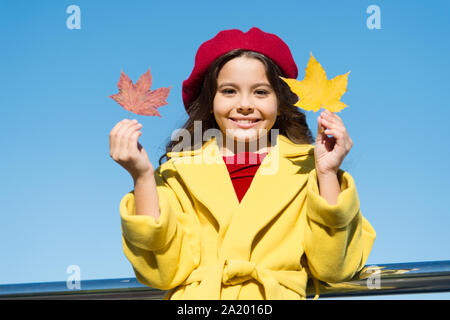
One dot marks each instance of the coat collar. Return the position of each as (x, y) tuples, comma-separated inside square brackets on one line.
[(281, 175), (286, 148)]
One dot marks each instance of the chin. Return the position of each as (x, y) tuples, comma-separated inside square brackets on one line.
[(245, 139)]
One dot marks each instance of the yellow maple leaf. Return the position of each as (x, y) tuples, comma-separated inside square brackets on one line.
[(316, 91)]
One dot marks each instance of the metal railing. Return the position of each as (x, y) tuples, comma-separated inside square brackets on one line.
[(384, 279)]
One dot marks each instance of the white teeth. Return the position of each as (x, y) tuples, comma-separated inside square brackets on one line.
[(245, 121)]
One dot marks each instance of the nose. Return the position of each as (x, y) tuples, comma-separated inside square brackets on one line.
[(245, 109)]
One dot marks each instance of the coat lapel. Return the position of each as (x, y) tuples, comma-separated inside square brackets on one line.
[(206, 176), (273, 187), (281, 175)]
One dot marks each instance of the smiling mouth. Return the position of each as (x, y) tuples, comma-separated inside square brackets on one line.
[(246, 121), (245, 124)]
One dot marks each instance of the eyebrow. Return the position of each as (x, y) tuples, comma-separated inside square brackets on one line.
[(254, 86)]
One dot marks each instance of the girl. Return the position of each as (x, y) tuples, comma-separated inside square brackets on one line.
[(255, 222)]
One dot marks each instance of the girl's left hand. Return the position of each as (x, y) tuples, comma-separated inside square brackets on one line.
[(329, 152)]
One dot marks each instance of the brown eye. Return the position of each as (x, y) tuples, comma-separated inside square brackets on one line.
[(228, 91), (261, 92)]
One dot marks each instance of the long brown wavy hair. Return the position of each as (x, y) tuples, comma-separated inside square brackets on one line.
[(291, 122)]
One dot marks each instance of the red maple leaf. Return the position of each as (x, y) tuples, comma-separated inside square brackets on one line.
[(138, 98)]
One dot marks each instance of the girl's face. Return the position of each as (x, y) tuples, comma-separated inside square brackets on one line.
[(244, 102)]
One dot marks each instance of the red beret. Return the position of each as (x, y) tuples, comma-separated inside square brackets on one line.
[(267, 44)]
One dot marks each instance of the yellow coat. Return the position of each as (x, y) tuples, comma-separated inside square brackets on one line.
[(207, 245)]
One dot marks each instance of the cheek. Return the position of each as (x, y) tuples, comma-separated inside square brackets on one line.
[(271, 110), (220, 115), (218, 106), (221, 108)]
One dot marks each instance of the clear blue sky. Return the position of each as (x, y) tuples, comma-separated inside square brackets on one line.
[(60, 190)]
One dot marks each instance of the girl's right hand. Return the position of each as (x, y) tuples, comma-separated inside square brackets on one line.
[(125, 149)]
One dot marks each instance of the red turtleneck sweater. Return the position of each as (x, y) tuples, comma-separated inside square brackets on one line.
[(242, 168)]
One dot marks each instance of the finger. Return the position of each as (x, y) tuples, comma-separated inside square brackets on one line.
[(321, 135), (320, 127), (119, 126), (123, 137), (337, 125), (114, 138), (119, 136), (342, 138), (133, 141), (127, 137), (329, 124), (332, 117), (335, 132)]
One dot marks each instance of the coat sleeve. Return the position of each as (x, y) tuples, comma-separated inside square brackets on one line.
[(162, 253), (338, 239)]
